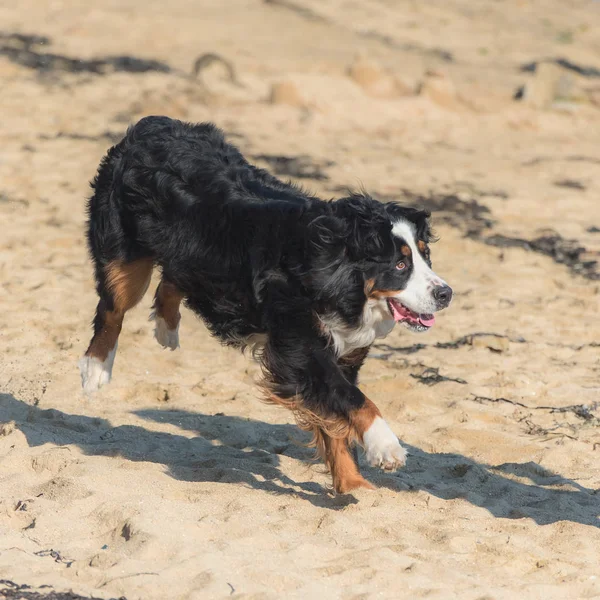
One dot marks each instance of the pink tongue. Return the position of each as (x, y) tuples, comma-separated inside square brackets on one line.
[(427, 320), (401, 313)]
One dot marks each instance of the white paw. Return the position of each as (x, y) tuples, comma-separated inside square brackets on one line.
[(382, 446), (94, 372), (167, 338)]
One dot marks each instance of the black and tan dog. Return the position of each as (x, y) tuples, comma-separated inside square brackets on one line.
[(308, 284)]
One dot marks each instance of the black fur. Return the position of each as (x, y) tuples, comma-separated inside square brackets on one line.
[(250, 254)]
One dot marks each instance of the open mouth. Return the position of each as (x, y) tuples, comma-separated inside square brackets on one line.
[(402, 314)]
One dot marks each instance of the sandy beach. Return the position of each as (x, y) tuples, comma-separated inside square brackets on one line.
[(175, 481)]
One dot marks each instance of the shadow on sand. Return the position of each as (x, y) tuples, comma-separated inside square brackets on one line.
[(237, 450)]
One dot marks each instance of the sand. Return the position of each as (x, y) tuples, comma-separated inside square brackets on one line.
[(176, 481)]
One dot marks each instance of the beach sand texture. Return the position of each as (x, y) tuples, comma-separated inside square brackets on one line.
[(176, 481)]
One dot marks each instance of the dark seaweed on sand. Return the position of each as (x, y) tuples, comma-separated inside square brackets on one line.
[(29, 51), (14, 591)]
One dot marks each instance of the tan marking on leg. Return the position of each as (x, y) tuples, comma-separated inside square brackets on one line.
[(106, 338), (362, 418), (128, 282), (166, 303), (344, 471), (309, 420), (330, 437), (96, 365), (166, 315)]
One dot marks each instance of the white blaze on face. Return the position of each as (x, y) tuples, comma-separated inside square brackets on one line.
[(418, 294)]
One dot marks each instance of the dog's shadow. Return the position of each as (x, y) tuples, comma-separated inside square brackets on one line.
[(237, 450), (224, 449)]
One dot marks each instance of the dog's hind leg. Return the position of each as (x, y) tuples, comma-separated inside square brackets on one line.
[(166, 314), (120, 286)]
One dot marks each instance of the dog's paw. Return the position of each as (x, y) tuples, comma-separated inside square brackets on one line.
[(167, 338), (382, 446), (94, 372)]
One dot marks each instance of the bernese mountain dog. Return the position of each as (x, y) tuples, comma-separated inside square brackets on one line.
[(307, 284)]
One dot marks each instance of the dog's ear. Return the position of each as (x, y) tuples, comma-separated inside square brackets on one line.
[(327, 233), (419, 217), (369, 227)]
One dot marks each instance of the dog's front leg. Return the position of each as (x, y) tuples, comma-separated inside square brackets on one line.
[(370, 429), (303, 375), (380, 443)]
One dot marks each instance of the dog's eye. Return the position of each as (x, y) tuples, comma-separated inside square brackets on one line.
[(400, 266)]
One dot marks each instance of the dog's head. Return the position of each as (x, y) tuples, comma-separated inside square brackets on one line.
[(412, 291), (386, 247)]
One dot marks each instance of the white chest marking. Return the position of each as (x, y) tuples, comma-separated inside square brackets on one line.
[(376, 322)]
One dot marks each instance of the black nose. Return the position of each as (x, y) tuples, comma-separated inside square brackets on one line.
[(442, 295)]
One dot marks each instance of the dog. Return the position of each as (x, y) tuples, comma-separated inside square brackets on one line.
[(307, 284)]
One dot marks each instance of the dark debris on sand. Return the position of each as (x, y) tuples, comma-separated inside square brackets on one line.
[(476, 221), (562, 251), (300, 167), (440, 53), (467, 340), (386, 40), (109, 136), (565, 64), (400, 349), (582, 411), (431, 376), (14, 591), (532, 162), (296, 7), (29, 51), (469, 215), (571, 184)]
